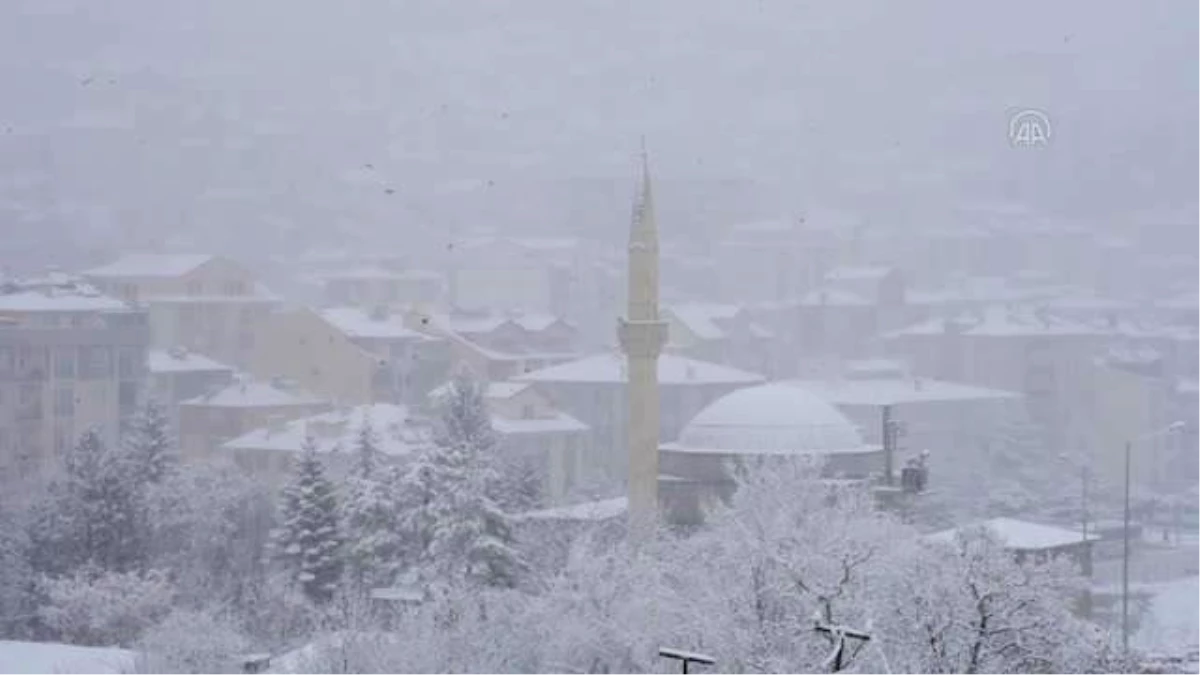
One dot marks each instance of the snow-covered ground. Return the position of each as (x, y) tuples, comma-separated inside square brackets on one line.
[(53, 657), (1173, 622)]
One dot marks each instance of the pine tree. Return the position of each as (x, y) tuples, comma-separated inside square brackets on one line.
[(471, 539), (309, 543), (367, 449), (149, 444), (91, 514), (371, 517)]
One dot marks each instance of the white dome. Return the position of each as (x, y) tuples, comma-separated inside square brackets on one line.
[(772, 418)]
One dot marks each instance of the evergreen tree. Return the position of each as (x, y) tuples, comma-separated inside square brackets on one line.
[(151, 450), (309, 542), (91, 514), (371, 516), (471, 539), (366, 449)]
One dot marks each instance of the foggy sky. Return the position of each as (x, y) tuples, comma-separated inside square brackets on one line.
[(292, 121)]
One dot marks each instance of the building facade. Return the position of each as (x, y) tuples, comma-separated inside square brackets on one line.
[(208, 304), (71, 360)]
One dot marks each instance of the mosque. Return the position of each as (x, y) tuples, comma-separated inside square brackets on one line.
[(771, 422)]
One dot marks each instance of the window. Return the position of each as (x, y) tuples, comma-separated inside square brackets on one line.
[(127, 362), (6, 360), (64, 363), (30, 402), (127, 395), (527, 411), (235, 288), (195, 288), (96, 363), (64, 402)]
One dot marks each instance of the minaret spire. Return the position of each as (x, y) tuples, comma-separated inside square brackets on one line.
[(642, 336)]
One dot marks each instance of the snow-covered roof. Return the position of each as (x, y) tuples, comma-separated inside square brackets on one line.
[(59, 300), (248, 393), (494, 390), (833, 296), (534, 322), (701, 318), (891, 391), (150, 265), (609, 368), (771, 418), (997, 321), (374, 272), (397, 433), (182, 361), (54, 657), (1019, 535), (358, 323), (559, 422), (606, 509), (504, 390)]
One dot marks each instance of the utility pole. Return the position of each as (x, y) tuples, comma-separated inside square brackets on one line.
[(889, 439), (1125, 558)]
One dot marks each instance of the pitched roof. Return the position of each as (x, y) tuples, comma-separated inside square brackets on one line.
[(149, 265), (1019, 535), (894, 391), (397, 433), (997, 321), (587, 511), (182, 361), (59, 301), (252, 394), (357, 323), (702, 318), (609, 367)]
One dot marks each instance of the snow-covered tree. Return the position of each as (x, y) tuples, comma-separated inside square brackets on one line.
[(91, 514), (151, 450), (366, 450), (372, 513), (210, 525), (470, 538), (971, 607), (191, 641), (94, 607), (309, 541), (16, 578)]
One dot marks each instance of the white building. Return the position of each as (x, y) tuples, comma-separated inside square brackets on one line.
[(593, 390), (270, 451), (772, 422)]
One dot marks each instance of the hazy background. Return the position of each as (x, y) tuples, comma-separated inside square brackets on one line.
[(264, 127)]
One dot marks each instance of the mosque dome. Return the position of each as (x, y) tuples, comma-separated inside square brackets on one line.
[(771, 419)]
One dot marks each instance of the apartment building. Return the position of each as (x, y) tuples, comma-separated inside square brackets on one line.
[(71, 360), (207, 421), (350, 355), (177, 375), (206, 303)]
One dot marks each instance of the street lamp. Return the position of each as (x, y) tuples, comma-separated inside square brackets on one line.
[(1169, 429)]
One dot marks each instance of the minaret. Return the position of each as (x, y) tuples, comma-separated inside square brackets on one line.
[(642, 337)]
